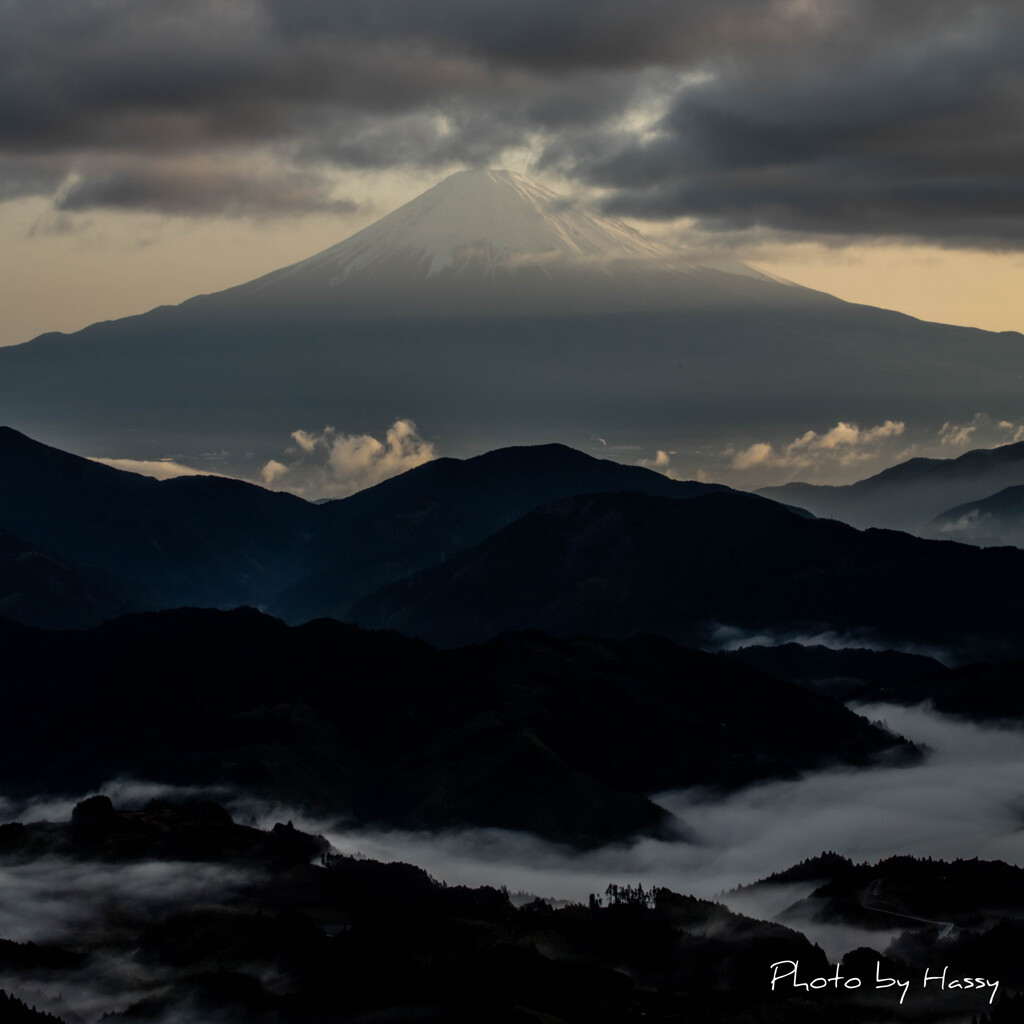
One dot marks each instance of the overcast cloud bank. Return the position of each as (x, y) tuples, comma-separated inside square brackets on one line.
[(809, 118)]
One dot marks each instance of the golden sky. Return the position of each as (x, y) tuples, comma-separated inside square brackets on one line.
[(118, 264)]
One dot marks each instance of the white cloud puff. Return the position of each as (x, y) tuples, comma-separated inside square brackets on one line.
[(981, 432), (661, 463), (844, 444), (333, 465), (272, 472)]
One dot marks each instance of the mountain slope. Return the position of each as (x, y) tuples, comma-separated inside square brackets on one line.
[(907, 496), (432, 512), (564, 738), (89, 541), (190, 540), (492, 313), (997, 519), (615, 564), (41, 589)]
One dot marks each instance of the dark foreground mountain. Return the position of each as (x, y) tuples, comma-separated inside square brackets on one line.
[(290, 931), (46, 590), (981, 692), (190, 540), (91, 542), (493, 312), (564, 738), (352, 939), (433, 512), (612, 565), (961, 894), (14, 1011), (910, 495), (848, 673), (960, 918)]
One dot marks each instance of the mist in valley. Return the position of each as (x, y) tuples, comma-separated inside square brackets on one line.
[(964, 799)]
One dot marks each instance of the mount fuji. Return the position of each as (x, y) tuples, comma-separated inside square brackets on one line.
[(485, 241), (493, 312)]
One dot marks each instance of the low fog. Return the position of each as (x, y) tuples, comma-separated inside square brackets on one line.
[(965, 800), (58, 901)]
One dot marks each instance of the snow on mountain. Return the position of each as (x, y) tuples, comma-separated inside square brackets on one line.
[(495, 215), (485, 224)]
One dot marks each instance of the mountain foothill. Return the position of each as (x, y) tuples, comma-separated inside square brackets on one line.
[(490, 568), (974, 498)]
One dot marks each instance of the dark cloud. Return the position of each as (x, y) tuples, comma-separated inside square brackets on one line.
[(28, 176), (917, 137), (463, 134), (549, 35), (838, 117), (196, 190)]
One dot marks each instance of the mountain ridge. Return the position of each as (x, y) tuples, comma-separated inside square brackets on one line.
[(616, 564), (911, 494), (209, 540), (512, 733)]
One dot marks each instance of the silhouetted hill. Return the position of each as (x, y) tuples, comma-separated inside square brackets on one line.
[(992, 521), (211, 541), (961, 917), (615, 564), (14, 1011), (41, 589), (284, 939), (196, 831), (965, 893), (565, 738), (280, 938), (191, 540), (436, 510), (908, 496), (958, 919), (982, 692), (847, 673)]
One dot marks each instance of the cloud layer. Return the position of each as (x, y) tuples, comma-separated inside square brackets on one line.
[(822, 118), (963, 800)]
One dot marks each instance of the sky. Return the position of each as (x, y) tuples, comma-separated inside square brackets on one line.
[(151, 150)]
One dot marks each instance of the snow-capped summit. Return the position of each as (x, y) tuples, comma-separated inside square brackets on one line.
[(487, 238), (494, 215)]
